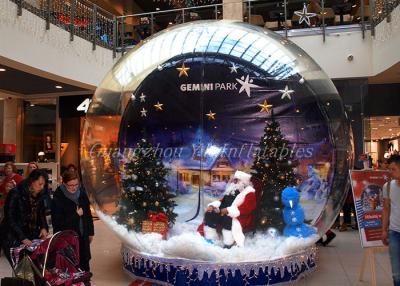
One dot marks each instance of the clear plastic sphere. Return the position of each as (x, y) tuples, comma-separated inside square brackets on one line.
[(178, 115)]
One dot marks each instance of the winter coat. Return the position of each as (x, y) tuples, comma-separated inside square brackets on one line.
[(65, 217), (242, 213), (15, 226), (16, 178)]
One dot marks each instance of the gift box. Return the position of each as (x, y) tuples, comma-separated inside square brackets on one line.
[(156, 223)]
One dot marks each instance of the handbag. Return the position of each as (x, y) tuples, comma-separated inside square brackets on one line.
[(24, 269), (24, 275)]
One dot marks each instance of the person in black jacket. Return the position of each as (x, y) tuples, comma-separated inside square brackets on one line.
[(24, 213), (70, 210)]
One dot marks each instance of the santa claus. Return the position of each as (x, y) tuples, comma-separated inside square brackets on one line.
[(234, 213)]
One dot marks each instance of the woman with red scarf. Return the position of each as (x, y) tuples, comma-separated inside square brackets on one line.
[(11, 180)]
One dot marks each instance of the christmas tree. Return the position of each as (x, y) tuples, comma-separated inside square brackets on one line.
[(274, 169), (144, 188)]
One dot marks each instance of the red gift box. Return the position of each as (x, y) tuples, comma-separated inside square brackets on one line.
[(157, 222)]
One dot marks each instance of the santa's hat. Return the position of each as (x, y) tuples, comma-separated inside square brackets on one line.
[(243, 177)]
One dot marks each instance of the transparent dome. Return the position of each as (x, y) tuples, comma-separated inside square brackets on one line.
[(179, 114)]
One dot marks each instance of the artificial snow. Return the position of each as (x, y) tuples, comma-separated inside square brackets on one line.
[(185, 242)]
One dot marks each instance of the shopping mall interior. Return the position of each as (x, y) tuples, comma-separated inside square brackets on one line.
[(90, 83)]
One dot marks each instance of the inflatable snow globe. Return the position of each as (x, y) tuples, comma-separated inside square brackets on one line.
[(190, 141)]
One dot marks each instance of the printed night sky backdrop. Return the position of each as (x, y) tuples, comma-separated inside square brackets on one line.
[(227, 115)]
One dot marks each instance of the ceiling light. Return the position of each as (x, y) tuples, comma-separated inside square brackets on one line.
[(354, 6), (58, 86), (2, 69), (157, 9), (32, 104), (387, 118)]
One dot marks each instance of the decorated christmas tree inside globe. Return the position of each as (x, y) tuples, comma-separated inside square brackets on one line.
[(194, 135)]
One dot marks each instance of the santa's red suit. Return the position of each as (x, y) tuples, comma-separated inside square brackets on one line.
[(242, 213)]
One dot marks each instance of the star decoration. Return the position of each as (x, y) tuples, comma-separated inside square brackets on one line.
[(143, 97), (158, 106), (143, 112), (304, 15), (211, 115), (233, 68), (286, 92), (246, 84), (183, 70), (265, 107)]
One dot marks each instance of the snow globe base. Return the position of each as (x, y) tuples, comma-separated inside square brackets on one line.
[(170, 271)]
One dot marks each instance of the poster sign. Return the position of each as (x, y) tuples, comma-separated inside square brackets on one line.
[(368, 199)]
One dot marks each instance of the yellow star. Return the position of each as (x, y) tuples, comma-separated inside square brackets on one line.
[(265, 107), (183, 70), (158, 106), (211, 115)]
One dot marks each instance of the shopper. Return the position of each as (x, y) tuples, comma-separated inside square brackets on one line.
[(72, 168), (71, 211), (391, 217), (24, 217), (348, 209), (31, 166), (384, 165), (11, 176)]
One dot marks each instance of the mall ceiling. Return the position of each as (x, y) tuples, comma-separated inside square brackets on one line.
[(19, 83), (384, 127)]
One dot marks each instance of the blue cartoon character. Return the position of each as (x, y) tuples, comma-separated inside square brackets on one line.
[(293, 215), (312, 185)]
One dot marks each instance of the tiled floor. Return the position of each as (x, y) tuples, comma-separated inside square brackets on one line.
[(339, 263)]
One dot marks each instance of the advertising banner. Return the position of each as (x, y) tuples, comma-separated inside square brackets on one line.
[(368, 199)]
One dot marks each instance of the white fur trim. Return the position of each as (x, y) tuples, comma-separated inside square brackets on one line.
[(242, 176), (227, 237), (240, 197), (233, 211), (237, 230), (215, 204), (210, 233)]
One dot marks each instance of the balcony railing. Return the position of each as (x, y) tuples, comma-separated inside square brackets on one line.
[(382, 10), (79, 17), (84, 19)]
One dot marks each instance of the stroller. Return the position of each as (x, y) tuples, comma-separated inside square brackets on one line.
[(55, 261)]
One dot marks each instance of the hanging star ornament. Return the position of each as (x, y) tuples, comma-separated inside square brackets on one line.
[(246, 84), (143, 112), (142, 97), (158, 106), (265, 107), (304, 15), (286, 92), (183, 70), (211, 115), (233, 68)]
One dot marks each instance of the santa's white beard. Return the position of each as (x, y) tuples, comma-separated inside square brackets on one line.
[(232, 187)]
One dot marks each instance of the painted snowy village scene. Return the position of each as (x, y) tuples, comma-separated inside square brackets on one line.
[(230, 175)]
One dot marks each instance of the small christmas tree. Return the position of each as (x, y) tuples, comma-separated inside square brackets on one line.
[(274, 169), (144, 188)]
